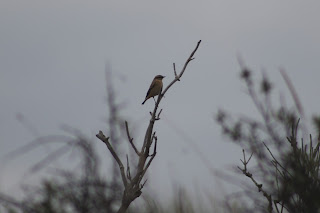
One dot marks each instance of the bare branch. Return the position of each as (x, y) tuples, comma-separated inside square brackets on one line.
[(152, 138), (142, 185), (175, 72), (183, 69), (250, 157), (259, 186), (128, 169), (133, 188), (147, 138), (152, 156), (158, 116), (105, 140), (131, 139)]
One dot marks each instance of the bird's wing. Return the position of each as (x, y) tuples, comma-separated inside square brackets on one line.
[(151, 87)]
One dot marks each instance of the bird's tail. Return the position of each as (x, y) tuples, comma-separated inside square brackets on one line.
[(144, 101)]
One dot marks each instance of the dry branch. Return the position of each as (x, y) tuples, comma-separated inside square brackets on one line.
[(258, 185), (132, 184), (131, 139), (175, 72), (105, 140)]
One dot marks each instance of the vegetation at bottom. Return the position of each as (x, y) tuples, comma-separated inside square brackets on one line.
[(280, 164), (281, 159)]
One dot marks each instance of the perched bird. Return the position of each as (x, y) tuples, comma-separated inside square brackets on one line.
[(155, 87)]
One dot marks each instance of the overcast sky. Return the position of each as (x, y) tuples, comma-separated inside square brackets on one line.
[(53, 56)]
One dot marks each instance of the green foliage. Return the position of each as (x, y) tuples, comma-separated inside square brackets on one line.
[(287, 171)]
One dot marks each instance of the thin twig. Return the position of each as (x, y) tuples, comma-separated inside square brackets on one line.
[(158, 116), (142, 185), (128, 169), (175, 72), (131, 139), (152, 156), (184, 68), (259, 186), (153, 136), (276, 161)]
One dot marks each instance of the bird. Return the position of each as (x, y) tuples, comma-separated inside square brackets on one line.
[(155, 87)]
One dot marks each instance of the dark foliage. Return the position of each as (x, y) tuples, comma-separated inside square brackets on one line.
[(78, 191), (286, 171)]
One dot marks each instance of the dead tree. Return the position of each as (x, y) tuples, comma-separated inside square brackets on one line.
[(134, 184)]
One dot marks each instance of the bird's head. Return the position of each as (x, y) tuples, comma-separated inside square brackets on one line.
[(160, 77)]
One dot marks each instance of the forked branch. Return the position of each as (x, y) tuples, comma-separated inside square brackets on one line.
[(105, 140), (258, 185), (133, 184)]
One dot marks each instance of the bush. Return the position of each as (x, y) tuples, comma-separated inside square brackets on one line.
[(286, 168)]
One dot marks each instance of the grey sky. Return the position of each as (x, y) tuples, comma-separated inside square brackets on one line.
[(52, 71)]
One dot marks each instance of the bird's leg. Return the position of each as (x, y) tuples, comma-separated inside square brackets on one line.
[(154, 100)]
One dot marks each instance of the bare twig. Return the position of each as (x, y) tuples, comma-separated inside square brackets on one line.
[(184, 68), (158, 116), (175, 72), (275, 160), (152, 138), (142, 185), (259, 186), (105, 140), (133, 186), (131, 139), (128, 169), (151, 159), (153, 154)]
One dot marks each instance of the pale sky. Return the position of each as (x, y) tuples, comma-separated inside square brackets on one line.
[(52, 72)]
